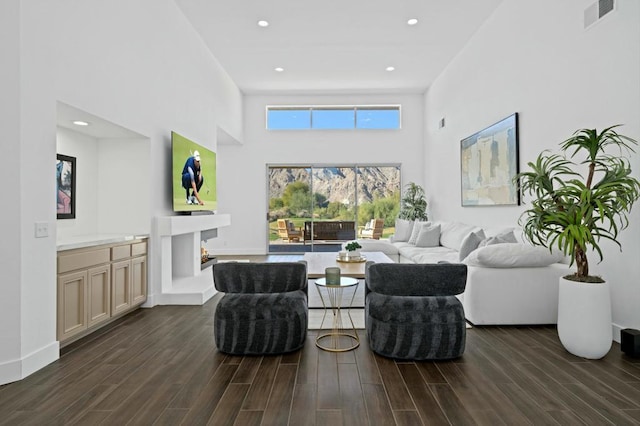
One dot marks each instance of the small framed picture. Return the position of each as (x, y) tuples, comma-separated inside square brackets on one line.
[(66, 186)]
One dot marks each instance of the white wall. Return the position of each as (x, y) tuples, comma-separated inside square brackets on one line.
[(113, 188), (85, 149), (536, 59), (10, 248), (137, 64), (125, 189), (242, 183)]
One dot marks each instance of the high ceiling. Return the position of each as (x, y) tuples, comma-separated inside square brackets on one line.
[(335, 46)]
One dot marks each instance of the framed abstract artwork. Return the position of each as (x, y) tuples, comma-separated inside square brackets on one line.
[(66, 186), (489, 163)]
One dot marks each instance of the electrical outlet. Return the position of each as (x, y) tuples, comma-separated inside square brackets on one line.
[(42, 229)]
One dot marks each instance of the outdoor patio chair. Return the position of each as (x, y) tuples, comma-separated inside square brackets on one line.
[(287, 230), (373, 229)]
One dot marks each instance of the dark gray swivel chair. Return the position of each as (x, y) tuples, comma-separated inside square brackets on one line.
[(411, 311), (264, 309)]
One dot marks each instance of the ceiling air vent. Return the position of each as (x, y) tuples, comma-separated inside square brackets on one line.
[(597, 11)]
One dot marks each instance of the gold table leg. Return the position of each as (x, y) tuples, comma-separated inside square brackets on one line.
[(339, 338)]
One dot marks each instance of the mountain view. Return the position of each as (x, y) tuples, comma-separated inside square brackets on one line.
[(339, 184)]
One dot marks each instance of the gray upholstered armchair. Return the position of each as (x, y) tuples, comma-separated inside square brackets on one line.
[(264, 309), (411, 311)]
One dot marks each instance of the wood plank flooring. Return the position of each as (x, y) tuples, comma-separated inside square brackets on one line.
[(159, 366)]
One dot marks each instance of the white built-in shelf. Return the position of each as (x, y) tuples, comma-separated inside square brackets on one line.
[(178, 240), (177, 225)]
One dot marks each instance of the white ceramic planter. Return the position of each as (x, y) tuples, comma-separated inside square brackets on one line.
[(584, 318), (355, 254)]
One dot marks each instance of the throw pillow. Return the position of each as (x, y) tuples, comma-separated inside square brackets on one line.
[(512, 255), (403, 230), (417, 226), (470, 243), (452, 234), (429, 236), (505, 237), (508, 236)]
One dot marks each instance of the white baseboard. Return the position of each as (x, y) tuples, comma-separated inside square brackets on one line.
[(18, 369), (616, 331)]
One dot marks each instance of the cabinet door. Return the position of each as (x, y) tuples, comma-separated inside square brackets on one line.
[(120, 286), (138, 280), (72, 304), (99, 285)]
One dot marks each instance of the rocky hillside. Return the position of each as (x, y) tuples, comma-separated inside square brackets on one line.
[(338, 184)]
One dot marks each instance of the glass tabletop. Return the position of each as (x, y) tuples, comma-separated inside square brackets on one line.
[(344, 282)]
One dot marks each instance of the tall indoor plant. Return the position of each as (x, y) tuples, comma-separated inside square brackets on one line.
[(413, 205), (573, 213)]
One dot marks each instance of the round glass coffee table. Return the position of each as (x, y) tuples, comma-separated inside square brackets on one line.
[(342, 336)]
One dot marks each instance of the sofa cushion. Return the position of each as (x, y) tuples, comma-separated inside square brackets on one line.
[(383, 246), (403, 230), (452, 234), (470, 243), (417, 227), (429, 236), (512, 255), (428, 256), (504, 237)]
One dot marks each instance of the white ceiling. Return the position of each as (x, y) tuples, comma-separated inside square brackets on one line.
[(335, 46)]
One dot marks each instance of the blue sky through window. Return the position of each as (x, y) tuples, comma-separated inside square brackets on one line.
[(288, 119), (369, 117), (333, 119), (378, 118)]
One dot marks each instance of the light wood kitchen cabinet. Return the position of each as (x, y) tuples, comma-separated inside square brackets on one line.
[(99, 297), (72, 304), (99, 284), (121, 286), (138, 280)]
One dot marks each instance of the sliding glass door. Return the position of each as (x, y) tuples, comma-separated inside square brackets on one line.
[(318, 207)]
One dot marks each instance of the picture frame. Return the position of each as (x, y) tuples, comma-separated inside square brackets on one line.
[(66, 186), (488, 165)]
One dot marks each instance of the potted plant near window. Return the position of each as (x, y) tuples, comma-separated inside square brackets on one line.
[(413, 205), (573, 213)]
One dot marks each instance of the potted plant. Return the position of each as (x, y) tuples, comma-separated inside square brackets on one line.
[(413, 205), (353, 249), (573, 213)]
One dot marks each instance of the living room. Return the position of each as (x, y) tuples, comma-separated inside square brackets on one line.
[(143, 65)]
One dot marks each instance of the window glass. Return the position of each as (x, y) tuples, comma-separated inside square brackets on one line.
[(341, 117), (288, 119), (378, 118), (333, 119)]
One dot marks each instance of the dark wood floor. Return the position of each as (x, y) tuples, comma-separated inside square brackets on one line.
[(159, 366)]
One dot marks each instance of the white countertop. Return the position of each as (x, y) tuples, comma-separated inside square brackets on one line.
[(81, 241)]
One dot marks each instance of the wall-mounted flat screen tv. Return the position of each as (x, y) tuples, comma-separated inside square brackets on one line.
[(194, 176)]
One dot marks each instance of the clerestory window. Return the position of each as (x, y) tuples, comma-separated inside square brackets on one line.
[(306, 117)]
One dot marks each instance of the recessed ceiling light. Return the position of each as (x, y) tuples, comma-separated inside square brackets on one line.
[(391, 68), (278, 69), (80, 123), (263, 23), (412, 21)]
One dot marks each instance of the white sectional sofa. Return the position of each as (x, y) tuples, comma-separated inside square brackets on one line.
[(509, 281)]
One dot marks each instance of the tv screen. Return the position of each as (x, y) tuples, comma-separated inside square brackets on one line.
[(194, 176)]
